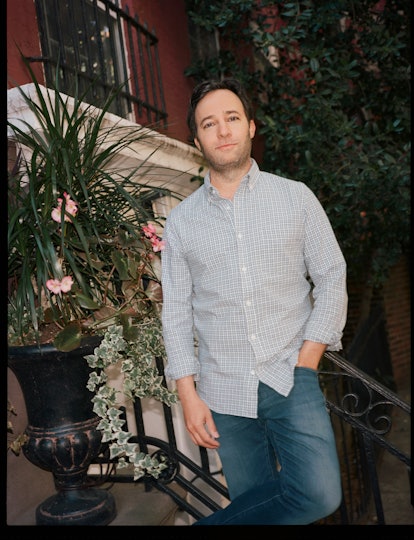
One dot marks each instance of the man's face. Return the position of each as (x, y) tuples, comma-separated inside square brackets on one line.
[(223, 132)]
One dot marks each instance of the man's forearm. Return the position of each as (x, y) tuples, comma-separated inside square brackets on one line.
[(310, 354)]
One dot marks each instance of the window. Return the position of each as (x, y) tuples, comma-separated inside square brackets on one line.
[(98, 47)]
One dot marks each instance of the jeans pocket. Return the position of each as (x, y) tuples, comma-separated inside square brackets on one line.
[(307, 381)]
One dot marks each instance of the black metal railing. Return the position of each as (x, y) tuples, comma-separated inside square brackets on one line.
[(362, 412), (97, 47)]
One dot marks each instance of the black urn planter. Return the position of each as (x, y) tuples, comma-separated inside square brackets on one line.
[(61, 430)]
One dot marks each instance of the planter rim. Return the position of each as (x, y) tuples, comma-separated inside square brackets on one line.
[(45, 348)]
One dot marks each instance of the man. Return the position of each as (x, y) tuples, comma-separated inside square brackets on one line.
[(252, 273)]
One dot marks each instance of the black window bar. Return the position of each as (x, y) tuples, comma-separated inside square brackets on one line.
[(99, 46)]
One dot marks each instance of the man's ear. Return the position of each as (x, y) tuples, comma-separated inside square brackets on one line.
[(197, 143), (252, 128)]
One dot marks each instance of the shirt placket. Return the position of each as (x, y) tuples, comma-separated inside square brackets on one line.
[(246, 270)]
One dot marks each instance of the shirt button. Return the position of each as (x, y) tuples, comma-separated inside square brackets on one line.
[(248, 303), (239, 236), (243, 269), (253, 337), (252, 372)]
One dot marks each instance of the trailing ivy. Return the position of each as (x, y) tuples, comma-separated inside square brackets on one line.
[(133, 361)]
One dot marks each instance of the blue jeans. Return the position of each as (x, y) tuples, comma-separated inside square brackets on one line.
[(281, 468)]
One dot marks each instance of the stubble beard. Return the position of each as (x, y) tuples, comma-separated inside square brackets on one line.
[(226, 166)]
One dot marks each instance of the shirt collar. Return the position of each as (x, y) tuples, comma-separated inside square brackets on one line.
[(250, 180)]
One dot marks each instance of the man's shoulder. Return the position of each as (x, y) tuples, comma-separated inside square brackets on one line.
[(277, 181), (285, 190)]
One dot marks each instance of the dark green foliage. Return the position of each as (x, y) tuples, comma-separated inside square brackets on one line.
[(333, 110)]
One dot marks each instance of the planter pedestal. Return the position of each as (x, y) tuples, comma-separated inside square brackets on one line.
[(90, 506)]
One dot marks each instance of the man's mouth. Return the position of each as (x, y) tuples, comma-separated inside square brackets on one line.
[(225, 146)]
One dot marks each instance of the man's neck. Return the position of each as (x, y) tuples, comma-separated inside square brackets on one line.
[(227, 182)]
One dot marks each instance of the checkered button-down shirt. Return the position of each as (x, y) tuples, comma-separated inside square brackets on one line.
[(236, 274)]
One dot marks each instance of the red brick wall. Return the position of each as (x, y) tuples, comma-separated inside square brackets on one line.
[(397, 306), (169, 21), (22, 34), (395, 299)]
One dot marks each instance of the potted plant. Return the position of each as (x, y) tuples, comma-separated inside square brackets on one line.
[(83, 271)]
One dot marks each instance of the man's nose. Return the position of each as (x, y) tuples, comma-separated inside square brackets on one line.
[(223, 128)]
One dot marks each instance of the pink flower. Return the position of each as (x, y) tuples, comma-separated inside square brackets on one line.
[(56, 214), (149, 230), (66, 284), (57, 286), (71, 208), (53, 285), (157, 244), (151, 233)]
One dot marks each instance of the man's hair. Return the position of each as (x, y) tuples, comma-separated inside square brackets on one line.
[(205, 87)]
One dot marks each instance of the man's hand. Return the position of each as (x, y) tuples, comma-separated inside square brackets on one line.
[(197, 416)]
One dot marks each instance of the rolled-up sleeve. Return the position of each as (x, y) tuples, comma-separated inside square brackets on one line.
[(327, 270), (177, 314)]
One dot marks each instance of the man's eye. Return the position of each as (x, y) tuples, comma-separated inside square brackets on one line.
[(233, 118), (208, 124)]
